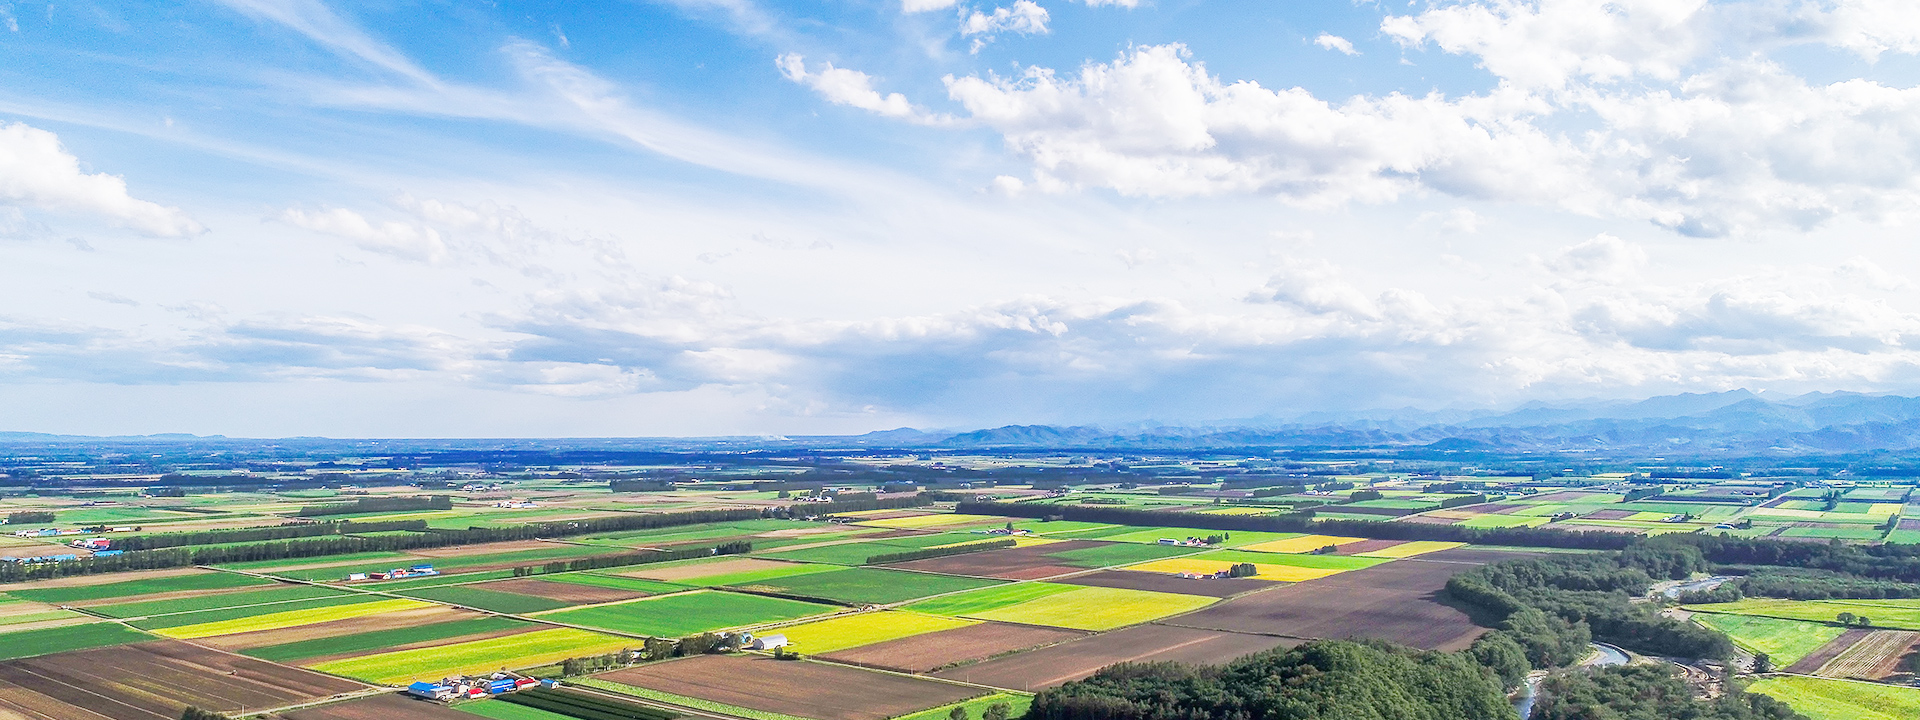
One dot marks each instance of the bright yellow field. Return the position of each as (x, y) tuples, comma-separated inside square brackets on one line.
[(1097, 608), (1019, 541), (922, 521), (1276, 573), (1884, 508), (1410, 549), (1649, 516), (525, 650), (291, 618), (852, 631), (1304, 543)]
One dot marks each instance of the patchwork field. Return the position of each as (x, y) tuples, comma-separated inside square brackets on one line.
[(1827, 699), (366, 624), (1784, 641), (1065, 662), (153, 681), (1161, 582), (798, 688), (1027, 563), (1302, 544), (1395, 601), (212, 601), (514, 651), (866, 585), (84, 594), (972, 643), (563, 591), (1873, 656), (1094, 608), (851, 631), (376, 641), (689, 613), (1901, 614), (286, 619), (28, 643), (485, 597)]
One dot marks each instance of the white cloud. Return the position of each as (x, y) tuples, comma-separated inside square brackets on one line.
[(841, 86), (36, 172), (1605, 258), (405, 240), (1336, 43), (920, 6), (1128, 4), (1025, 18), (319, 23)]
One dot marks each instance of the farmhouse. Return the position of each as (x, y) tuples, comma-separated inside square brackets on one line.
[(430, 691)]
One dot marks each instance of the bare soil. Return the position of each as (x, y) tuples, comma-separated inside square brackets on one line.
[(806, 689), (1162, 582), (1396, 601), (1025, 563), (1050, 666), (381, 707), (1826, 653), (700, 570), (1366, 546), (931, 651), (157, 680), (560, 591)]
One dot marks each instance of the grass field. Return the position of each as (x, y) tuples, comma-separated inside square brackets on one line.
[(751, 577), (291, 618), (492, 600), (514, 651), (986, 599), (177, 583), (651, 587), (930, 521), (853, 631), (869, 585), (1903, 614), (1096, 608), (1784, 641), (1410, 549), (689, 613), (1826, 699), (216, 601), (1302, 544), (319, 647), (28, 643), (1017, 705), (499, 710)]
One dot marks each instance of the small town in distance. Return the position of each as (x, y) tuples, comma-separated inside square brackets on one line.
[(316, 580)]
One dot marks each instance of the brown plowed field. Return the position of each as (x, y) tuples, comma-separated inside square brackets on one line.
[(1366, 546), (1011, 563), (106, 578), (1477, 556), (1609, 515), (805, 689), (700, 570), (1826, 653), (1162, 582), (1875, 656), (924, 653), (1050, 666), (1393, 601), (156, 680), (1427, 519), (560, 591), (352, 626), (381, 707)]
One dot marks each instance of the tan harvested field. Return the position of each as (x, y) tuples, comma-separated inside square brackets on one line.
[(1162, 582), (700, 570), (1874, 657), (1366, 546), (1025, 563), (1395, 601), (155, 681), (563, 592), (1428, 519), (1066, 662), (1811, 664), (412, 617), (381, 707), (925, 653), (806, 689), (799, 532)]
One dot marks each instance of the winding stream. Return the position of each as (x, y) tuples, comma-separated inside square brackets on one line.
[(1603, 656)]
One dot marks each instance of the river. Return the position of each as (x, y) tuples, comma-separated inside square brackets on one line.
[(1603, 655)]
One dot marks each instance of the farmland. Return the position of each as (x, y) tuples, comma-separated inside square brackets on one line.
[(374, 641), (1903, 614), (1826, 699), (156, 681), (866, 585), (966, 644), (285, 619), (27, 643), (851, 631), (687, 613), (514, 651), (802, 689), (1785, 641), (1095, 608)]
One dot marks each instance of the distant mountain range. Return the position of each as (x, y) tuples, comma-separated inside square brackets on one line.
[(1736, 421)]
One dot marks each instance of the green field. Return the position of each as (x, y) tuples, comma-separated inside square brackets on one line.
[(1017, 704), (650, 587), (1902, 614), (216, 601), (1501, 521), (751, 577), (1826, 699), (851, 631), (710, 706), (873, 586), (513, 651), (177, 583), (491, 600), (236, 613), (1119, 554), (687, 613), (291, 618), (1152, 536), (28, 643), (319, 647), (499, 710), (856, 553), (1784, 641), (987, 599), (1096, 608), (436, 581)]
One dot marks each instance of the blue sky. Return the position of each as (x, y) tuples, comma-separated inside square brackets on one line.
[(695, 217)]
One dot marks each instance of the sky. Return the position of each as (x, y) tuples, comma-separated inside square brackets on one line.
[(456, 218)]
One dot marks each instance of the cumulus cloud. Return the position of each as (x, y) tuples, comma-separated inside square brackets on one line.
[(1025, 18), (36, 172), (842, 86), (1335, 43)]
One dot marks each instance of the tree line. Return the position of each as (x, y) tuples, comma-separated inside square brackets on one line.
[(737, 547), (278, 532)]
